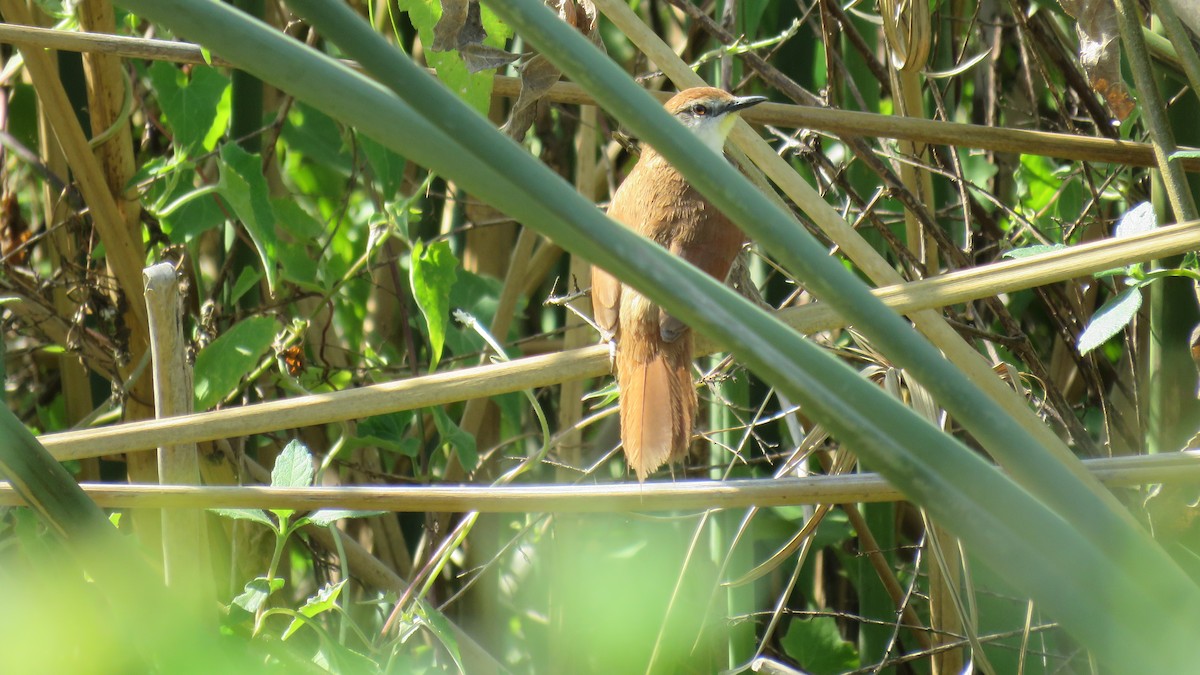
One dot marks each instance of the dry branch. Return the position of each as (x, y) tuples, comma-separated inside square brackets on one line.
[(540, 371), (839, 122), (1181, 467)]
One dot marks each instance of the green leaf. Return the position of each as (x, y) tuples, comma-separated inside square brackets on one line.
[(256, 593), (323, 601), (386, 432), (297, 222), (1110, 319), (195, 108), (244, 187), (329, 516), (1036, 183), (818, 647), (318, 138), (463, 443), (245, 281), (434, 269), (293, 467), (300, 266), (387, 166), (256, 515), (1036, 249), (444, 632), (475, 89), (221, 365)]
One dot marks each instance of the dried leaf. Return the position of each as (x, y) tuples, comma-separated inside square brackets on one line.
[(480, 57), (448, 29), (538, 75), (461, 28), (1100, 51)]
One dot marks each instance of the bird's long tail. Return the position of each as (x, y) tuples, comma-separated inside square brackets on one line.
[(658, 400)]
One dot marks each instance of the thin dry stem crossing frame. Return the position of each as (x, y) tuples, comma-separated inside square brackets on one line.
[(539, 371), (1180, 467), (839, 122)]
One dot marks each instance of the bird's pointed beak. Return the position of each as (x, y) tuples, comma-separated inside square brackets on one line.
[(743, 102)]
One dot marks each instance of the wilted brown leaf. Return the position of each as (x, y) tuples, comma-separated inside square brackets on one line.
[(461, 28), (538, 75), (1100, 51)]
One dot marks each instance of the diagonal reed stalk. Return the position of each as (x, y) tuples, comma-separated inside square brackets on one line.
[(1088, 567)]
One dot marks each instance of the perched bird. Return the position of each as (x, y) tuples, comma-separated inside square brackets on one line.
[(653, 348)]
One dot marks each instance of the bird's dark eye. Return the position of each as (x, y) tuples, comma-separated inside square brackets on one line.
[(699, 110)]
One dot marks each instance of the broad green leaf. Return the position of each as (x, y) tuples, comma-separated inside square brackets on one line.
[(293, 467), (256, 593), (256, 515), (434, 270), (818, 647), (244, 187), (323, 601), (329, 516), (1110, 319), (222, 364), (463, 443), (195, 108), (475, 89)]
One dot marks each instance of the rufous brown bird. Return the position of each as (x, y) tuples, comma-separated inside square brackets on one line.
[(653, 348)]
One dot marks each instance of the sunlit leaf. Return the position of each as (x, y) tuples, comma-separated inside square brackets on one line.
[(1110, 319), (818, 647), (245, 188), (329, 516), (293, 467), (196, 106), (1138, 220), (256, 593), (256, 515), (462, 442), (222, 364), (432, 276), (1036, 249), (323, 601)]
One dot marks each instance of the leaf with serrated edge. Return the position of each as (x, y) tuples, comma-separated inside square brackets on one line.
[(257, 515), (256, 593), (293, 466), (323, 601), (329, 516)]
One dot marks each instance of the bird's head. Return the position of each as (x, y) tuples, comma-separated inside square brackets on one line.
[(709, 112)]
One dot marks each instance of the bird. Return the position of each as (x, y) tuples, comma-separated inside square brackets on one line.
[(654, 349)]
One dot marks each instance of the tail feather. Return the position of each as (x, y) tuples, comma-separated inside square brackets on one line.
[(658, 401)]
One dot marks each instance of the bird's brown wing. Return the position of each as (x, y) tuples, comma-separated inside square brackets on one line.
[(712, 245), (606, 289), (606, 300)]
